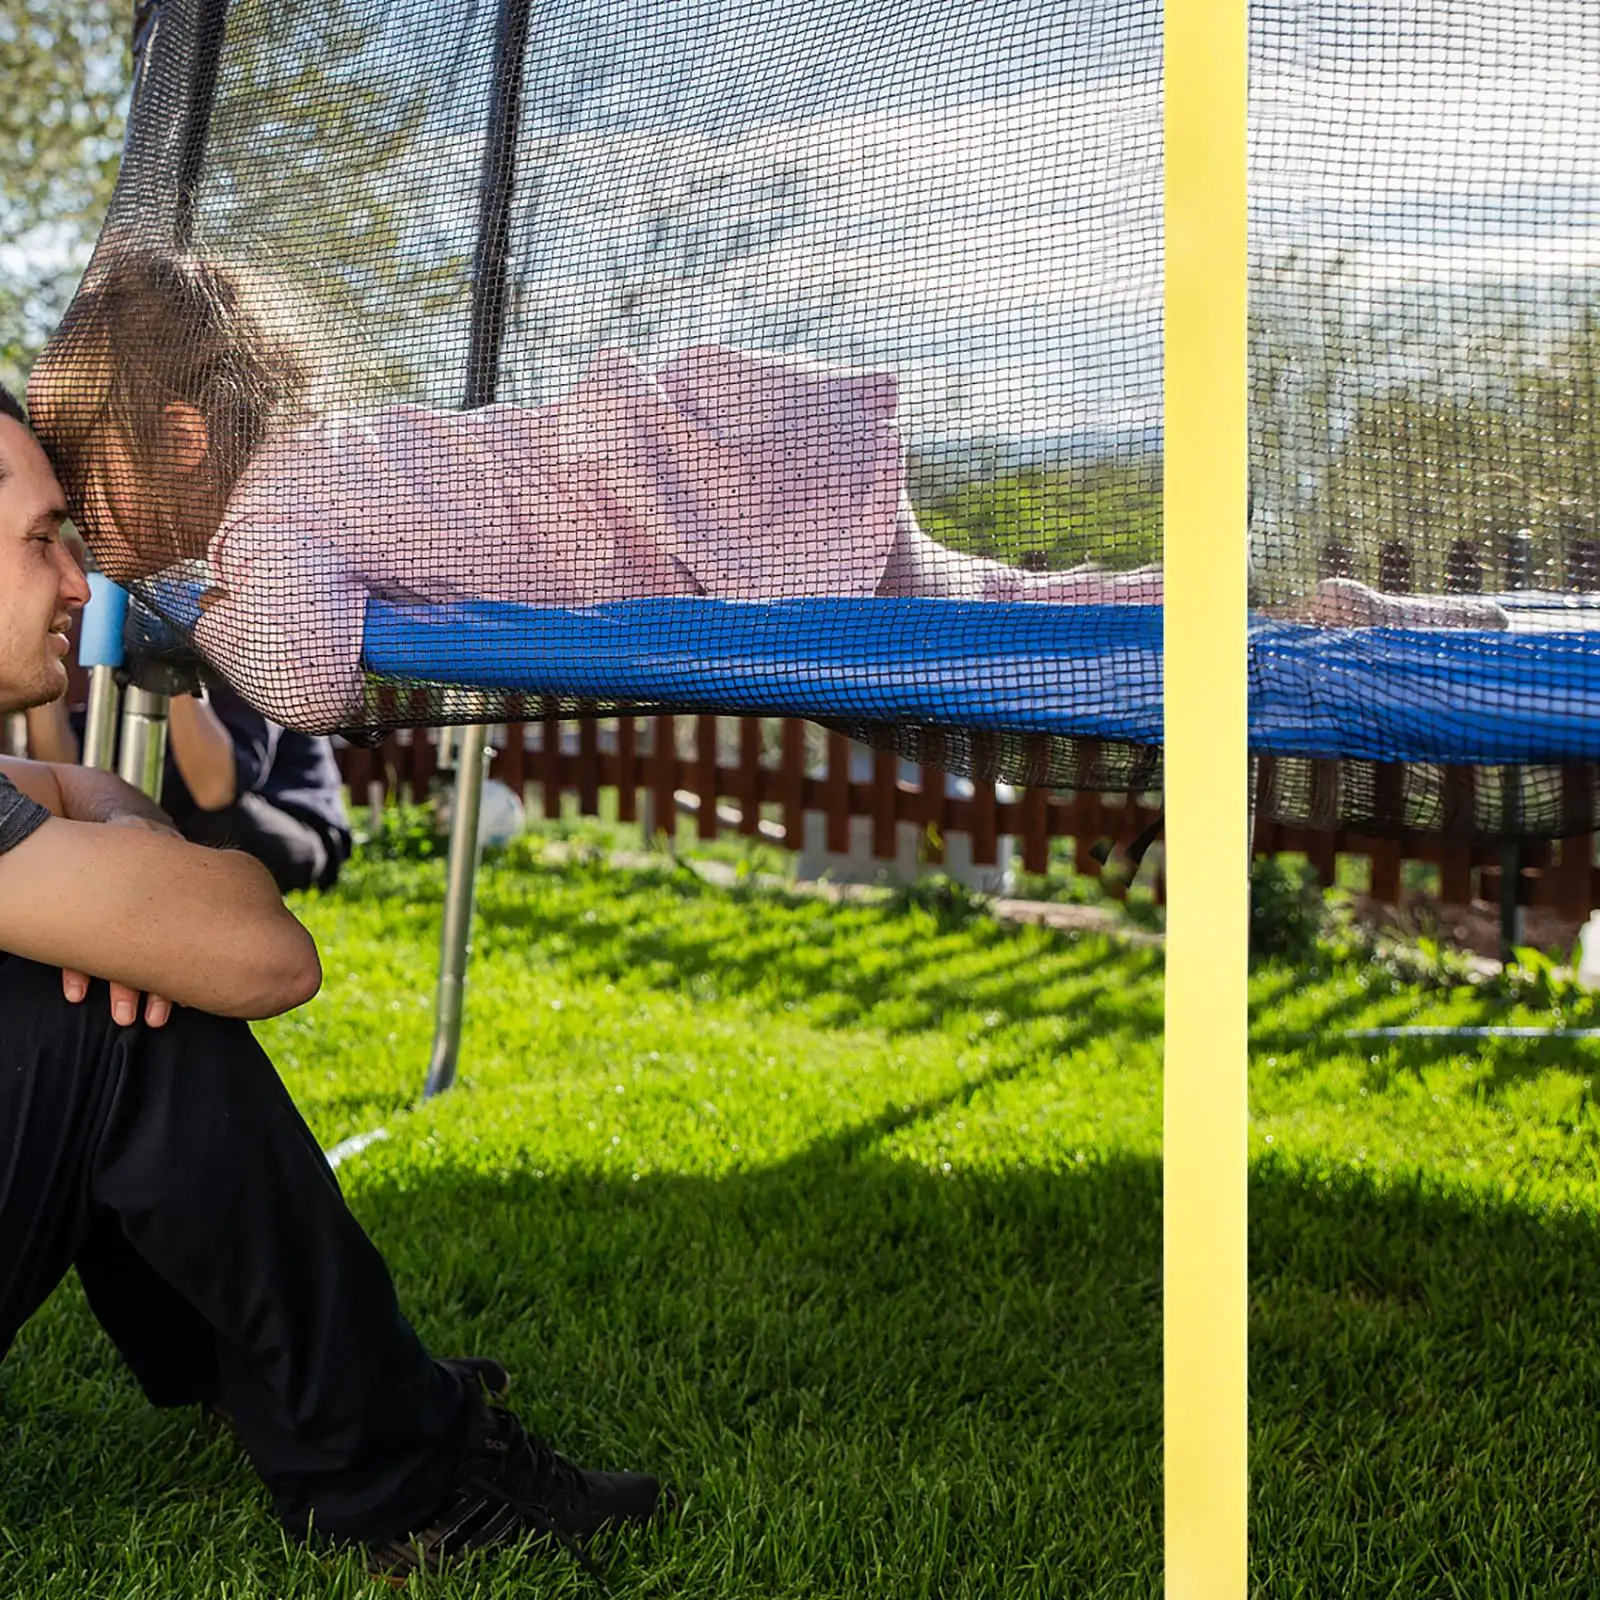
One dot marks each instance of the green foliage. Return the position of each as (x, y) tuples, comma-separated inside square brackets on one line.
[(1106, 511), (372, 263), (1537, 981), (64, 71), (405, 832), (65, 66), (1287, 917), (950, 903), (1384, 422)]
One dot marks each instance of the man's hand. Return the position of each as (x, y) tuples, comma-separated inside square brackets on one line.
[(124, 1001)]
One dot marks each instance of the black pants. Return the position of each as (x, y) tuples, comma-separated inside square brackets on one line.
[(298, 854), (171, 1168)]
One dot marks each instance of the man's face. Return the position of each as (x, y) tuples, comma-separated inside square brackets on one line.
[(40, 584)]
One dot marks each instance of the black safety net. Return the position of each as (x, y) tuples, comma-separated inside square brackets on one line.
[(484, 361)]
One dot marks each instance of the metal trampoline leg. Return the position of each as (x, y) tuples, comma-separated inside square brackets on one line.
[(460, 884), (143, 756), (100, 725)]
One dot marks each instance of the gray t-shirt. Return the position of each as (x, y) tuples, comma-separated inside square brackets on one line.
[(19, 816)]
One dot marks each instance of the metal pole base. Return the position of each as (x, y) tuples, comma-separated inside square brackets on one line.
[(100, 725), (142, 759)]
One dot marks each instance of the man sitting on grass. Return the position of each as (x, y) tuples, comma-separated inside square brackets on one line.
[(146, 1140)]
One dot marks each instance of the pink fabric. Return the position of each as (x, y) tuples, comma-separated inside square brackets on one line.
[(741, 477)]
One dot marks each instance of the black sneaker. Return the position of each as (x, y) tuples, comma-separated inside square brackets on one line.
[(488, 1374), (508, 1487)]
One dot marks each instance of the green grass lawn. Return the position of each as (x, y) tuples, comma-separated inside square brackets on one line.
[(847, 1219)]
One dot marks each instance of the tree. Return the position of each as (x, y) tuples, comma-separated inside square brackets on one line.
[(1432, 421), (306, 165), (65, 65)]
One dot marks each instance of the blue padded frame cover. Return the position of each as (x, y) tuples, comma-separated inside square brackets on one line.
[(1380, 694), (1437, 695)]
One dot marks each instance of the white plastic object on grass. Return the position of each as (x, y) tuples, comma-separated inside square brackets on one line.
[(501, 816), (1588, 973)]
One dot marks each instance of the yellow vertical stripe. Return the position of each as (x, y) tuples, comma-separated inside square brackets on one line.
[(1207, 848)]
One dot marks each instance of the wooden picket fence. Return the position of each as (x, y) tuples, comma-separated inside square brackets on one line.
[(747, 776), (760, 778), (1556, 873)]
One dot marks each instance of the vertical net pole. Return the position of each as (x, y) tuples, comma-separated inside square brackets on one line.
[(1205, 1149), (100, 719), (456, 934), (211, 23), (142, 754), (496, 183)]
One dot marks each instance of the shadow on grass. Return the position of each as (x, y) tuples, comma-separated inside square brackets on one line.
[(873, 1379), (1320, 1037), (896, 962), (1425, 1391), (1385, 1062), (1509, 1061), (893, 962), (864, 1337)]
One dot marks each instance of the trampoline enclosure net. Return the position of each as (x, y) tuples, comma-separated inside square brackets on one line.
[(496, 360)]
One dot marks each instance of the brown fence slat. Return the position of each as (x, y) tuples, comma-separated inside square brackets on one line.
[(985, 836), (935, 801), (424, 755), (836, 783), (589, 768), (514, 758), (1577, 850), (356, 771), (664, 776), (1459, 802), (1455, 875), (792, 785), (1036, 830), (1322, 851), (1090, 828), (550, 766), (885, 804), (705, 776), (1386, 865), (747, 780), (627, 770)]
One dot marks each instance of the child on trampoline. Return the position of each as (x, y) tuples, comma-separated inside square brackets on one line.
[(186, 430)]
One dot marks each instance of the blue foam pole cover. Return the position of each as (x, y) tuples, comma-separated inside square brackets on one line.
[(100, 634)]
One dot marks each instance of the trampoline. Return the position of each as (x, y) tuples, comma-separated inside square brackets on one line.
[(452, 274)]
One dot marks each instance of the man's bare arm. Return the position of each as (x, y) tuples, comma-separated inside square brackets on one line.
[(206, 928), (203, 749), (81, 795)]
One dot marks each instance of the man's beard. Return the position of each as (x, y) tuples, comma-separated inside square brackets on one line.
[(13, 701)]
